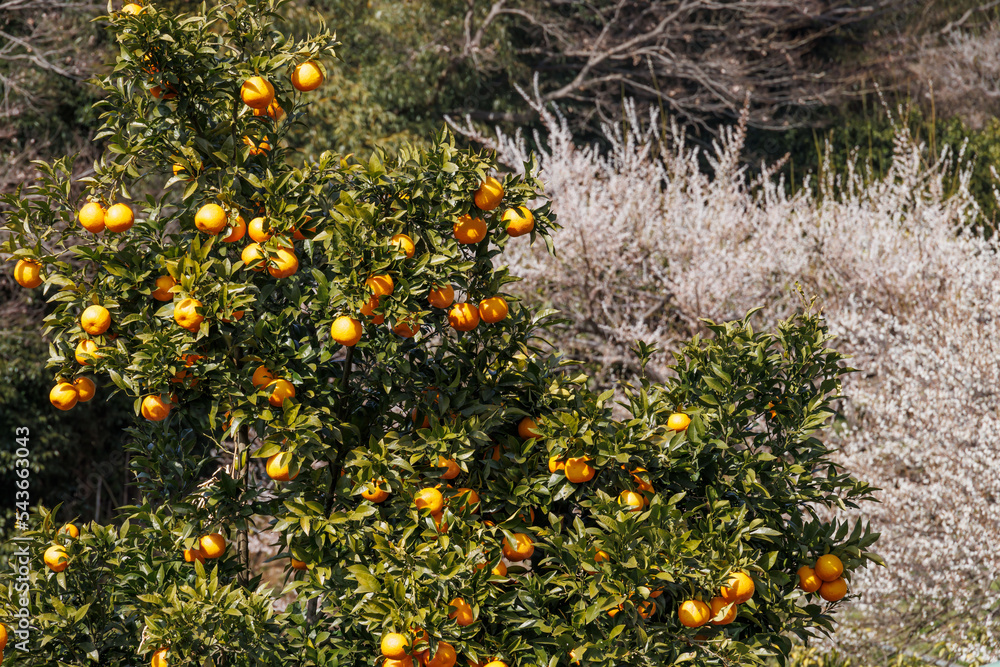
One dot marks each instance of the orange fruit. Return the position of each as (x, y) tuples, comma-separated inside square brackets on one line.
[(297, 230), (643, 484), (3, 638), (429, 499), (469, 230), (829, 567), (86, 349), (262, 377), (299, 565), (462, 612), (119, 218), (406, 327), (556, 464), (260, 230), (307, 76), (280, 390), (489, 194), (694, 613), (499, 570), (808, 581), (85, 389), (192, 555), (63, 396), (212, 545), (452, 471), (718, 604), (522, 549), (154, 408), (579, 470), (646, 608), (519, 221), (395, 645), (257, 92), (463, 317), (91, 216), (441, 297), (738, 589), (28, 273), (467, 496), (493, 309), (237, 315), (678, 421), (346, 331), (68, 529), (279, 473), (380, 285), (601, 556), (273, 111), (405, 662), (527, 428), (211, 219), (159, 658), (445, 656), (495, 663), (55, 558), (95, 320), (236, 230), (403, 244), (158, 93), (373, 493), (369, 308), (633, 500), (186, 314), (163, 286), (253, 257), (132, 8), (283, 264), (258, 147), (831, 591)]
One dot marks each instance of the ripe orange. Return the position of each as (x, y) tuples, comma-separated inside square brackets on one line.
[(279, 473), (601, 556), (158, 93), (369, 308), (829, 567), (646, 608), (262, 377), (119, 218), (694, 613), (283, 264), (297, 230), (28, 273), (299, 565), (154, 408), (643, 484), (493, 309), (499, 570), (132, 8), (831, 591), (186, 314), (95, 320), (678, 421), (381, 285), (462, 612), (519, 221), (160, 658), (444, 657), (68, 529), (406, 327), (280, 390), (441, 297), (395, 645), (429, 499), (273, 111), (63, 396), (633, 500), (253, 257), (258, 147), (373, 493), (808, 581), (236, 230), (738, 589), (3, 637), (468, 497), (260, 230), (179, 170), (211, 219), (192, 555), (405, 662), (55, 557), (495, 663), (520, 550), (212, 545), (527, 428), (85, 389), (403, 244), (469, 230), (307, 76), (163, 286), (463, 317), (718, 604), (556, 464), (579, 470), (257, 92), (86, 350), (346, 331), (489, 194), (91, 216), (452, 471)]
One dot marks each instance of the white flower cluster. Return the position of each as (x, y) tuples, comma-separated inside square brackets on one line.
[(651, 243)]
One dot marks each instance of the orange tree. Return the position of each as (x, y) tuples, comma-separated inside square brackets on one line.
[(331, 348)]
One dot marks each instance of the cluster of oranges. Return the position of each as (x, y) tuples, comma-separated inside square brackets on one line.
[(824, 577), (212, 545), (722, 609), (398, 650), (55, 556)]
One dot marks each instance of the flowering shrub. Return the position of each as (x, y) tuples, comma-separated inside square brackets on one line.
[(651, 244)]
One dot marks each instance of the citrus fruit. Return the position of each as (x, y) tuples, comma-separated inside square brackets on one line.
[(694, 613), (187, 316), (299, 565), (236, 230), (95, 320), (461, 612), (283, 264), (3, 637), (163, 287), (499, 570), (556, 464), (527, 428), (346, 331), (469, 230), (257, 92), (678, 421), (405, 662), (307, 76), (262, 377), (831, 591), (373, 493), (258, 147), (643, 484), (520, 550), (493, 309), (259, 229), (395, 645), (273, 111), (519, 221), (119, 218), (406, 327), (381, 285), (68, 529), (63, 396), (808, 581), (445, 656), (463, 317), (253, 257), (55, 558), (429, 499), (738, 589), (646, 608), (441, 297), (211, 219), (489, 194), (154, 408), (495, 663), (718, 604), (85, 350), (601, 556), (91, 216), (158, 93), (212, 545), (28, 273), (132, 8), (452, 470), (829, 567), (468, 497), (85, 389), (403, 244), (279, 473), (280, 390), (192, 555), (579, 470), (159, 658), (631, 499)]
